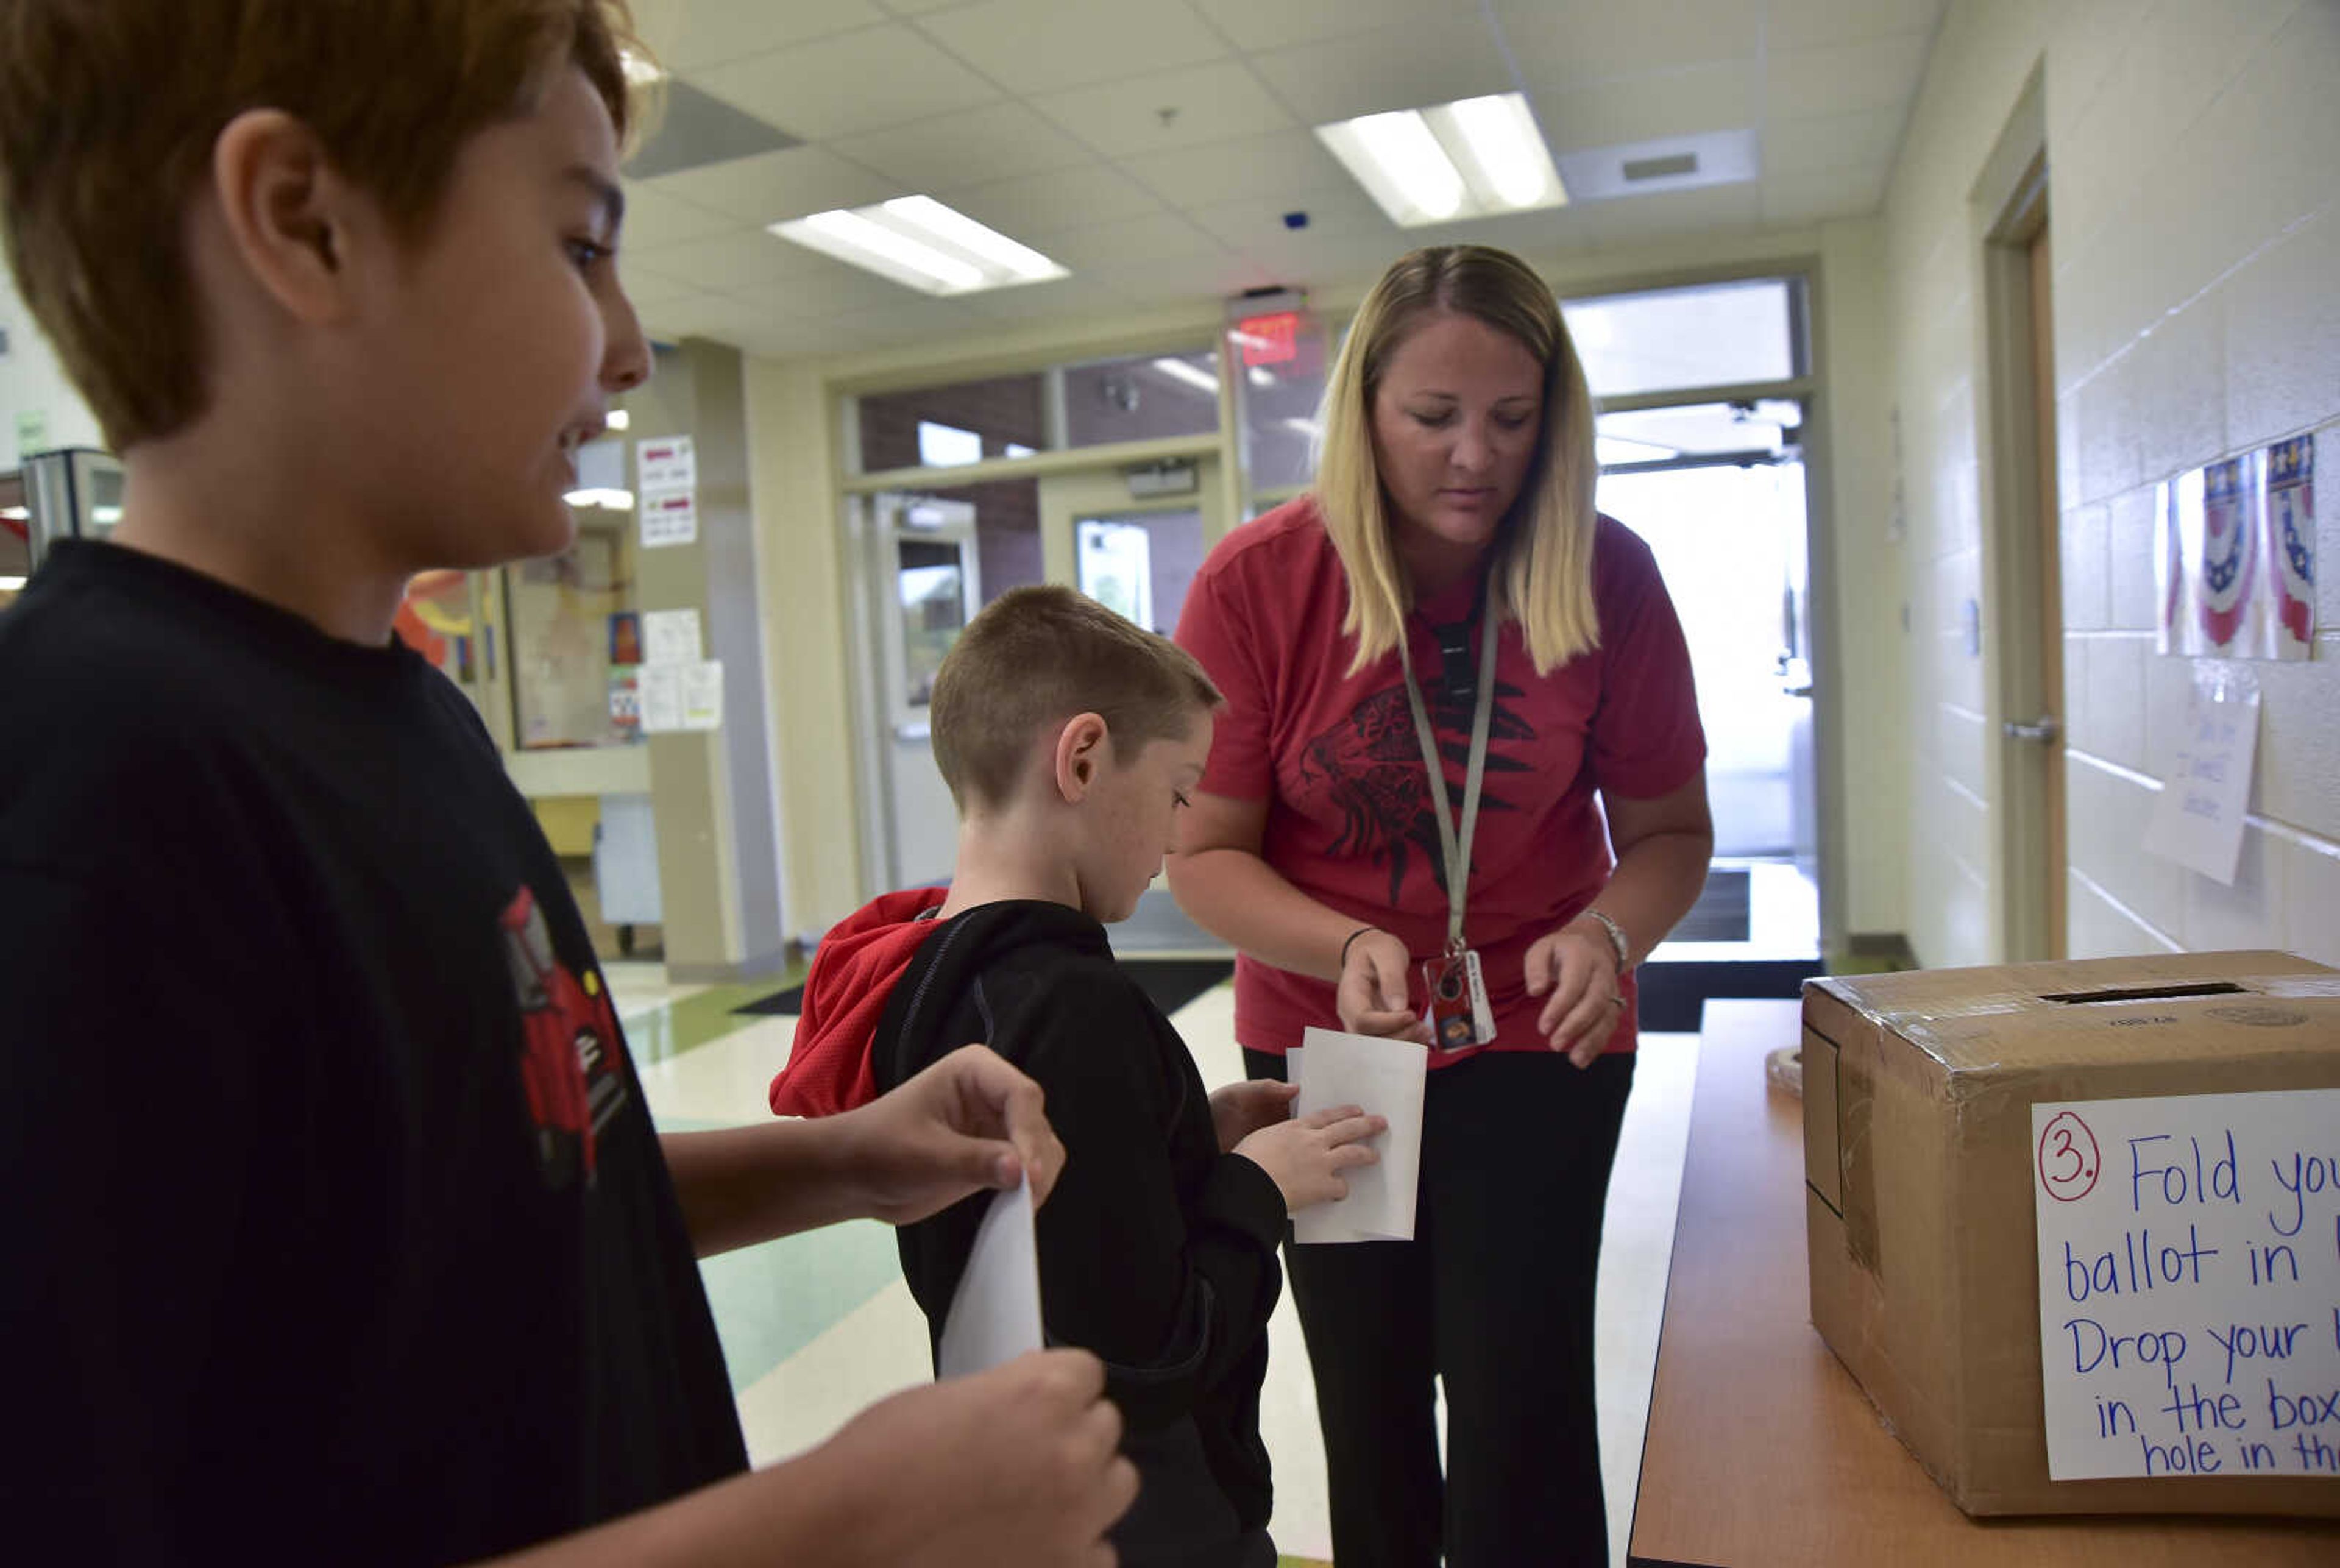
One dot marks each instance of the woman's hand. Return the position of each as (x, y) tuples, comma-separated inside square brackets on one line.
[(1371, 997), (1578, 967)]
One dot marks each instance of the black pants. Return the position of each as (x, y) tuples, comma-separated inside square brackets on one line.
[(1494, 1297)]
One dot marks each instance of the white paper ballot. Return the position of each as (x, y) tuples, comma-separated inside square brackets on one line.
[(1385, 1077), (995, 1313)]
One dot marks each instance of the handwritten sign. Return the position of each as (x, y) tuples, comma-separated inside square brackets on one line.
[(670, 637), (2189, 1284), (2207, 786)]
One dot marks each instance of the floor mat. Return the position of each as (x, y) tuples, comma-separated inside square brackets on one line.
[(1724, 912)]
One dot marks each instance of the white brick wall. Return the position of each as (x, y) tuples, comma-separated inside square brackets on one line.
[(2194, 153)]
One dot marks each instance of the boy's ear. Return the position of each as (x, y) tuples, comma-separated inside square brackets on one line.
[(288, 214), (1080, 754)]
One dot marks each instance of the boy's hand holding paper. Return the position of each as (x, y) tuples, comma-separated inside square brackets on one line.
[(1385, 1077)]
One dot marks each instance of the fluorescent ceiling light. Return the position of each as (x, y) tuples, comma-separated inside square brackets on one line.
[(1401, 145), (1180, 371), (16, 513), (639, 70), (12, 585), (606, 500), (922, 244), (1502, 137), (618, 419), (957, 228), (1474, 158)]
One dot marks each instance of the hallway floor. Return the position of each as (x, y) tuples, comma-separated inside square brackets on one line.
[(817, 1327)]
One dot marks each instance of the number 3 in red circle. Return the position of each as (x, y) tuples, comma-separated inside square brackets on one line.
[(2068, 1162)]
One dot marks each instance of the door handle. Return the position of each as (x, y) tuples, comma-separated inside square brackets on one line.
[(2044, 729)]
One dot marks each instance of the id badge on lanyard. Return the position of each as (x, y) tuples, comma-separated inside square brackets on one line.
[(1458, 1013)]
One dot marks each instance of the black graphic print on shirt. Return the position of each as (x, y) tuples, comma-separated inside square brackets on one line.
[(568, 1056), (1370, 765)]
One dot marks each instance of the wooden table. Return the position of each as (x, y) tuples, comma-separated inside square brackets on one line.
[(1761, 1448)]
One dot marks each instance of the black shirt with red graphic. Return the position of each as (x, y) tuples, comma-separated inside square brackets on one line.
[(332, 1225)]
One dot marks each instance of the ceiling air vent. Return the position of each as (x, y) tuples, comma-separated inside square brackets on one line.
[(1672, 164), (1640, 169)]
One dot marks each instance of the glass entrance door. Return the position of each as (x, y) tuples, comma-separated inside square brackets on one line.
[(1717, 490)]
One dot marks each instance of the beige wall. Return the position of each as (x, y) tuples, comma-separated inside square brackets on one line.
[(800, 545), (2194, 201)]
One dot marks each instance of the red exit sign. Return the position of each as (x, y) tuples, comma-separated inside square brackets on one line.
[(1269, 340)]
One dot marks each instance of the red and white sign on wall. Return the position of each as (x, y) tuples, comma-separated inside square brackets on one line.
[(2235, 553)]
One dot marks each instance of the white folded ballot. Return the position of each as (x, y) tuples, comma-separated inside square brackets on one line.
[(1385, 1078), (994, 1313)]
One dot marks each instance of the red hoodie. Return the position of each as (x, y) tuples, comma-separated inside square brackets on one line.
[(853, 973)]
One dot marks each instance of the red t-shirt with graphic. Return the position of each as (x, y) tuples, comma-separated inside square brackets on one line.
[(1336, 759)]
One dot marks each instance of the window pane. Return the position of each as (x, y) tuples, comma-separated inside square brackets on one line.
[(998, 413), (930, 581), (1141, 564), (1143, 398), (1709, 335), (1767, 427)]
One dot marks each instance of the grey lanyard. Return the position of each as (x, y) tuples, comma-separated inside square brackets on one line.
[(1457, 850)]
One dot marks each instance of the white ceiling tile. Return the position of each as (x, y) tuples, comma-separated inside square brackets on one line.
[(1256, 24), (919, 319), (686, 35), (1832, 193), (1551, 232), (1584, 41), (918, 8), (654, 218), (1685, 102), (792, 340), (1172, 280), (1034, 204), (1330, 209), (1093, 246), (1057, 300), (977, 145), (1307, 258), (1816, 24), (771, 186), (1396, 68), (690, 316), (1264, 166), (1209, 104), (1832, 141), (1845, 79), (822, 286), (645, 285), (1044, 45), (1717, 210), (723, 262), (860, 81)]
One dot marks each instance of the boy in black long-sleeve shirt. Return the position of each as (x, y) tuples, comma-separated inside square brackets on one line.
[(1068, 737)]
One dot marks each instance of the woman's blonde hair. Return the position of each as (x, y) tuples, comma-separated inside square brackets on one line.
[(1543, 575)]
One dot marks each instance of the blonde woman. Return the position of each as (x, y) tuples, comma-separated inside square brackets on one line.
[(1448, 579)]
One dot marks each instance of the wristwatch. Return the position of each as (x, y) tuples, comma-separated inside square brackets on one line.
[(1617, 939)]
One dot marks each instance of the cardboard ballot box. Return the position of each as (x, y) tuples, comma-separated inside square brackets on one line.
[(2076, 1227)]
